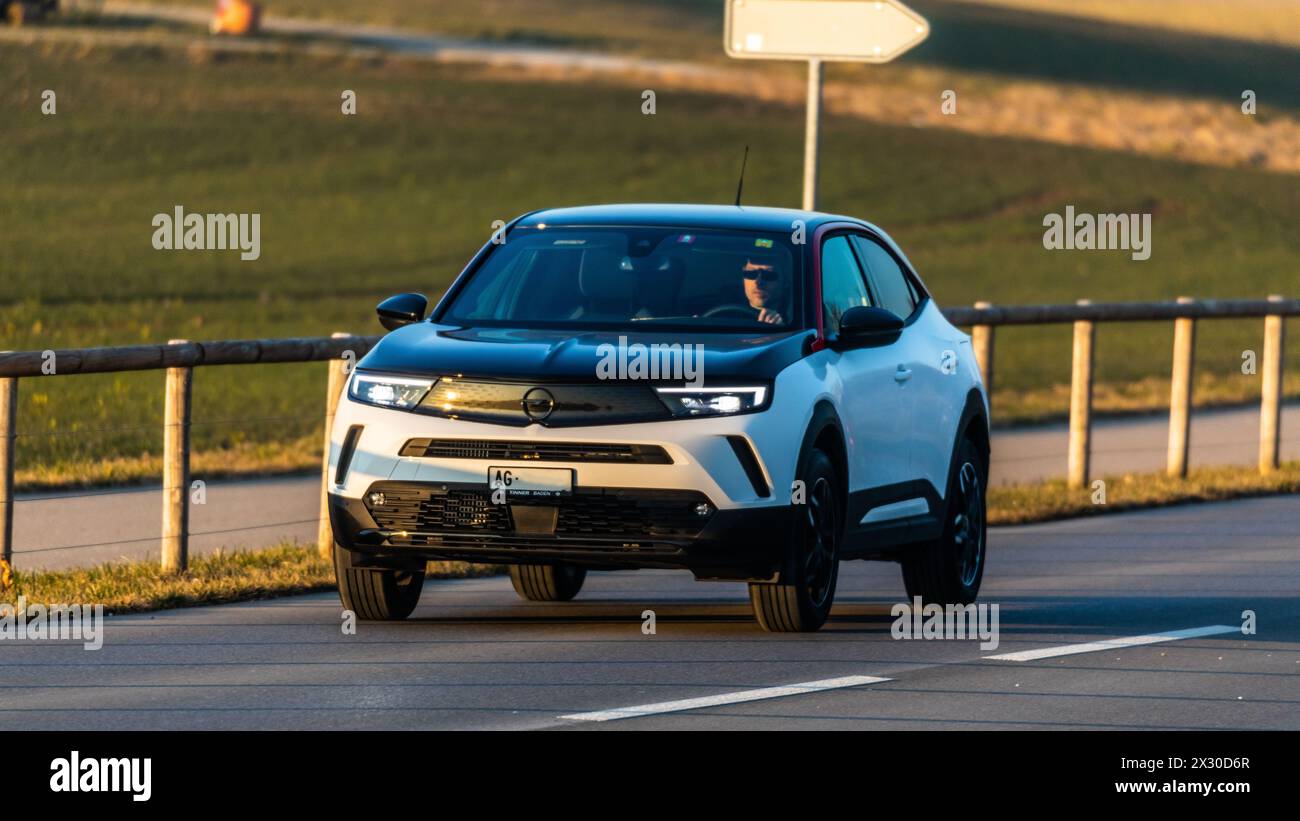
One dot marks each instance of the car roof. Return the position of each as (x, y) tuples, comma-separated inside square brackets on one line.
[(742, 217)]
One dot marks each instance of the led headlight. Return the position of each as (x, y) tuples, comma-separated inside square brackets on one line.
[(388, 391), (712, 401)]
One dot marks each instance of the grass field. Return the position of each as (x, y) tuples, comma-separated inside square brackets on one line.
[(661, 28), (398, 197), (1212, 48), (1053, 499), (217, 578), (693, 28), (1269, 21)]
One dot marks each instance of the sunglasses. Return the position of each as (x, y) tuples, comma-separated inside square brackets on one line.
[(767, 275)]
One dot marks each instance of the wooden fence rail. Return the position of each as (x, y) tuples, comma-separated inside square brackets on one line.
[(183, 355), (984, 317), (180, 357), (1120, 311)]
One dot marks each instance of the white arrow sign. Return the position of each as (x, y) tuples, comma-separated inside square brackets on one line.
[(864, 31), (868, 31)]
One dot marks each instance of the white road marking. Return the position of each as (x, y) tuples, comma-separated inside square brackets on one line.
[(1114, 644), (726, 698)]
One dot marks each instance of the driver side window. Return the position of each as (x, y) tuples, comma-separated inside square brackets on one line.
[(843, 286)]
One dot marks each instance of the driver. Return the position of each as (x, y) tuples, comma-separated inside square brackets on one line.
[(766, 289)]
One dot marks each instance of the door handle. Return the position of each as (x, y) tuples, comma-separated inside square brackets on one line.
[(902, 374)]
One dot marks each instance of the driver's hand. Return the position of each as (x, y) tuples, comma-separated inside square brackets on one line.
[(770, 317)]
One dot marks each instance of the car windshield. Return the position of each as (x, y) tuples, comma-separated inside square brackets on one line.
[(634, 278)]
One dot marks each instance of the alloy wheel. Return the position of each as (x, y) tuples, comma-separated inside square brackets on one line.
[(819, 542), (968, 524)]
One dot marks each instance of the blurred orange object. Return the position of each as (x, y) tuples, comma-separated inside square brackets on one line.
[(236, 17), (20, 12)]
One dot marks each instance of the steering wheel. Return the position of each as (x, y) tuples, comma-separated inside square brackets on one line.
[(736, 310)]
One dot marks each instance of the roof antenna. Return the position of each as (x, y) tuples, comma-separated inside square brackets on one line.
[(741, 185)]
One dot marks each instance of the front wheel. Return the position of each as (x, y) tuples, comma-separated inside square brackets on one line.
[(949, 569), (547, 582), (376, 594), (801, 601)]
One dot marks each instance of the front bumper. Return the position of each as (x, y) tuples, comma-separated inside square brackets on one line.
[(609, 528), (743, 465)]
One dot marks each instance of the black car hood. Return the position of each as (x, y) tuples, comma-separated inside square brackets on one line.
[(427, 349)]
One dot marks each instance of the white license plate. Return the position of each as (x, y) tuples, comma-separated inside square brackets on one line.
[(531, 481)]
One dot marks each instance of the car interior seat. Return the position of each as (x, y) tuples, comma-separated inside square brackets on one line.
[(658, 284), (609, 291)]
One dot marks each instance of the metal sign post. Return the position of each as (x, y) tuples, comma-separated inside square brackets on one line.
[(864, 31), (812, 120)]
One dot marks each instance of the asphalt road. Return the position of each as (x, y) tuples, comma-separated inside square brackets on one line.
[(67, 530), (1136, 444), (474, 656), (83, 528)]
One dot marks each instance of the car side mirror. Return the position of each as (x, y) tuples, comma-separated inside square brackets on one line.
[(864, 326), (402, 309)]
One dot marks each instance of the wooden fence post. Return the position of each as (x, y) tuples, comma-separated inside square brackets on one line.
[(1080, 448), (982, 343), (1180, 393), (176, 467), (338, 379), (8, 438), (1270, 405)]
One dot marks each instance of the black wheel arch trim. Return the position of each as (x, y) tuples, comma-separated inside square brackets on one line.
[(824, 418), (973, 420)]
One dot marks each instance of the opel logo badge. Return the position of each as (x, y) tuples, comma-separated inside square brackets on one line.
[(538, 404)]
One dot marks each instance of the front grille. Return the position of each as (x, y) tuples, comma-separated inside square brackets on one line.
[(418, 509), (503, 449), (455, 510), (566, 405)]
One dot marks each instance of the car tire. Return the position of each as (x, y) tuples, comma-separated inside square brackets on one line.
[(948, 570), (547, 582), (376, 594), (800, 601)]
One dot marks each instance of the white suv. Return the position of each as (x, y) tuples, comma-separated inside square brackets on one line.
[(753, 394)]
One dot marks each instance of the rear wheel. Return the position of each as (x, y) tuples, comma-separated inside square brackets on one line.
[(376, 594), (949, 569), (801, 601), (547, 582)]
